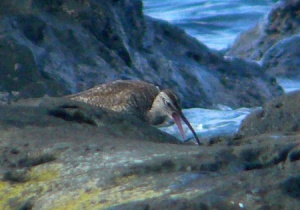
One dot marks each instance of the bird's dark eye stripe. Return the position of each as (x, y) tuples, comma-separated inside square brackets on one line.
[(167, 102)]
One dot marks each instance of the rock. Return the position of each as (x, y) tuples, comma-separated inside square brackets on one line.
[(282, 59), (45, 112), (278, 117), (280, 23), (59, 47), (56, 153)]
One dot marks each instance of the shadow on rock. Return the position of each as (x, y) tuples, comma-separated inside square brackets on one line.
[(292, 187)]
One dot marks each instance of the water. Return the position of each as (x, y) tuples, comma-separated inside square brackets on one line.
[(289, 85), (210, 123), (225, 122), (215, 23)]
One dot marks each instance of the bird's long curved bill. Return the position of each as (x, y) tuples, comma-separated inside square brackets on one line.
[(177, 119)]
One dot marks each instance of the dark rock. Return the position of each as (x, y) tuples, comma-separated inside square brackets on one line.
[(28, 205), (294, 155), (59, 47), (36, 160), (44, 112), (280, 23), (292, 187), (280, 116), (16, 176), (283, 58)]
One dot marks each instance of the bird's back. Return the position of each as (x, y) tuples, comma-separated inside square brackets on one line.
[(128, 97)]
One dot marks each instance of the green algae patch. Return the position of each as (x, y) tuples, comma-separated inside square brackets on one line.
[(100, 198), (125, 179), (45, 174), (38, 180)]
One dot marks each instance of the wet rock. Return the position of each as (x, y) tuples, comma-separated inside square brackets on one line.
[(60, 47), (280, 23), (282, 59), (292, 187), (280, 116), (45, 112)]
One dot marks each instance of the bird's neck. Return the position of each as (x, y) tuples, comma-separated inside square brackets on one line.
[(155, 114), (155, 118)]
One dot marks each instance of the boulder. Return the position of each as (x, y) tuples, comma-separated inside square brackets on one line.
[(283, 58), (280, 23), (278, 117), (60, 47)]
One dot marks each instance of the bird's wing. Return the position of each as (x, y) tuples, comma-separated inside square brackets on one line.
[(130, 97)]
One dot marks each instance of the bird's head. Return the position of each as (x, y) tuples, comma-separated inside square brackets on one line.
[(168, 104)]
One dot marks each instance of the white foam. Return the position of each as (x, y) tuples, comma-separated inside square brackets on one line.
[(209, 123), (289, 85)]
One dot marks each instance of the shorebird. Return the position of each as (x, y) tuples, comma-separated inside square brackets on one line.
[(138, 98)]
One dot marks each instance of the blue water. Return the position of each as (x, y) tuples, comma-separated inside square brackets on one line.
[(210, 123), (223, 122), (289, 85), (216, 23)]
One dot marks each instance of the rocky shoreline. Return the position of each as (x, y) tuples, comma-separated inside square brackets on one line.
[(60, 154), (56, 48)]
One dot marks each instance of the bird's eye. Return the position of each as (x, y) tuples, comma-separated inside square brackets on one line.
[(168, 103)]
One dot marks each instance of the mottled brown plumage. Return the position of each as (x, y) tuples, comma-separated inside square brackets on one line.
[(137, 98)]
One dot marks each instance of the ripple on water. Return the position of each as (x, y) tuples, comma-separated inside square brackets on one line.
[(209, 20)]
